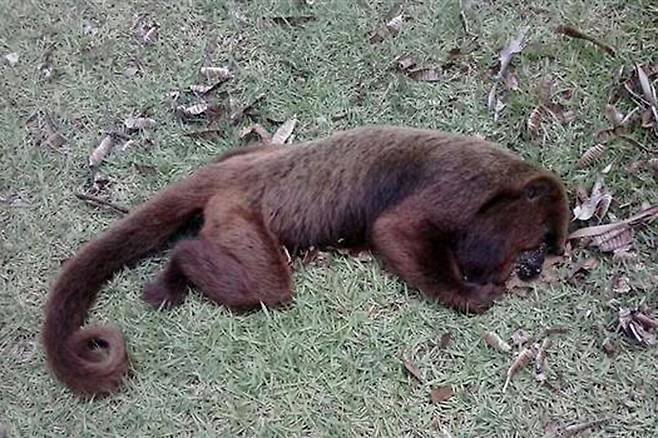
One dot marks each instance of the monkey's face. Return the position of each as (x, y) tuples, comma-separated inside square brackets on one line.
[(512, 229)]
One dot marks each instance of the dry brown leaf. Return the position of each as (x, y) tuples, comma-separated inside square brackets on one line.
[(511, 81), (258, 130), (441, 394), (293, 20), (583, 267), (647, 88), (53, 139), (445, 340), (392, 28), (534, 121), (283, 133), (515, 46), (405, 62), (592, 155), (424, 74), (12, 58), (139, 123), (102, 150), (246, 110), (201, 88), (614, 116), (638, 326), (644, 216), (521, 360), (520, 337), (572, 32), (609, 347), (216, 75), (620, 284), (617, 240), (540, 359), (596, 204), (496, 342), (413, 370)]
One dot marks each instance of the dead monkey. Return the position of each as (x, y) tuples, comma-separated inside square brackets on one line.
[(448, 214)]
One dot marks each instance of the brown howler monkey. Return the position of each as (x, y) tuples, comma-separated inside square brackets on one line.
[(448, 214)]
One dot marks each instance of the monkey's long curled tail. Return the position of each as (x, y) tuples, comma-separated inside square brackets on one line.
[(93, 360)]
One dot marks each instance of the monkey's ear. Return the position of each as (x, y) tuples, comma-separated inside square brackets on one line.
[(538, 187)]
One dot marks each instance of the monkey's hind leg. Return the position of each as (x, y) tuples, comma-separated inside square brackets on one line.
[(237, 262)]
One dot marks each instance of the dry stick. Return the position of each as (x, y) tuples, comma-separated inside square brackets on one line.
[(572, 32), (101, 202)]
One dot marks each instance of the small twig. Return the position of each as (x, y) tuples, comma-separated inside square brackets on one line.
[(101, 202), (572, 32)]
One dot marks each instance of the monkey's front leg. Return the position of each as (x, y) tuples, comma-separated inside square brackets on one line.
[(426, 262)]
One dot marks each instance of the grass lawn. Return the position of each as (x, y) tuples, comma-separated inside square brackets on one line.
[(332, 364)]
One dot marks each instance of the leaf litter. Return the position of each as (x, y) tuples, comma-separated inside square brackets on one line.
[(408, 65), (573, 32), (596, 204)]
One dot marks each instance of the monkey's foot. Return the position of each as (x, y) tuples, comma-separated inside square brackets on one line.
[(161, 296)]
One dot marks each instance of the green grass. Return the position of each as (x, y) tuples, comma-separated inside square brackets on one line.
[(332, 363)]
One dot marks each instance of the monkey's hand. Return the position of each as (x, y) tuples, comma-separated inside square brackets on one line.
[(477, 298)]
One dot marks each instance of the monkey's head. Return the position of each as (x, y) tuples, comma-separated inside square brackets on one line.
[(528, 217)]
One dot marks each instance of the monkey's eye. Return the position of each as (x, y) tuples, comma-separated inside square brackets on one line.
[(534, 191)]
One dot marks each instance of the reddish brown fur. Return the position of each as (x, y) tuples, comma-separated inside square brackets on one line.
[(448, 214)]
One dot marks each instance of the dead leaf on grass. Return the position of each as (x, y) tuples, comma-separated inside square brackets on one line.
[(441, 394), (572, 32), (620, 284), (596, 204), (609, 347), (413, 370), (145, 29), (409, 66), (445, 340), (522, 359), (514, 47), (390, 29), (138, 123), (293, 20), (553, 430), (101, 152), (53, 139), (246, 110), (197, 111), (540, 359), (638, 326), (520, 337), (256, 130), (284, 132), (47, 68), (12, 58), (592, 155), (582, 268), (496, 342)]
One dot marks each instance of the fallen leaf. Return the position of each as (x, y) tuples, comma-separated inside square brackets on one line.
[(620, 284), (198, 110), (638, 326), (540, 360), (619, 239), (511, 81), (583, 267), (53, 139), (139, 123), (596, 204), (609, 347), (283, 133), (515, 46), (424, 74), (258, 130), (592, 155), (644, 216), (520, 361), (520, 337), (392, 28), (12, 58), (101, 151), (216, 74), (496, 342), (238, 115), (441, 394), (534, 121), (647, 87), (572, 32), (406, 62), (614, 116), (100, 202), (412, 370), (445, 340), (576, 428), (293, 20), (145, 29)]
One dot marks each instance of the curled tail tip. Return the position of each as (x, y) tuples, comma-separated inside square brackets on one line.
[(92, 362)]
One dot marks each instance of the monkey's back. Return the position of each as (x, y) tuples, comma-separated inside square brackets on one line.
[(334, 188)]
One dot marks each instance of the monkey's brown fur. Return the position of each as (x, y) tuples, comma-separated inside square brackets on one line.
[(448, 214)]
